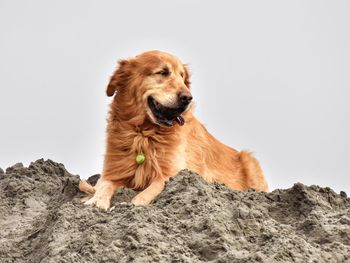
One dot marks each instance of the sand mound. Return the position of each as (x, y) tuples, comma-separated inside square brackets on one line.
[(42, 220)]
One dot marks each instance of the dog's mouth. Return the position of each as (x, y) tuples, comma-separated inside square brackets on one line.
[(166, 115)]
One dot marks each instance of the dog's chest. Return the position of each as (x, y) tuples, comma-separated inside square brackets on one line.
[(180, 156), (165, 155)]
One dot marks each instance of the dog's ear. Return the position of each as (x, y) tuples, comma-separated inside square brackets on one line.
[(120, 78), (187, 76)]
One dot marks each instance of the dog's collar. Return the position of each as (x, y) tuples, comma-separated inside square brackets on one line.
[(140, 158)]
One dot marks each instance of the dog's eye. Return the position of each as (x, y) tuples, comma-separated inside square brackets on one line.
[(164, 72)]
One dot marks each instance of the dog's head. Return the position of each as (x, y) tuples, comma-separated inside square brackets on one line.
[(156, 84)]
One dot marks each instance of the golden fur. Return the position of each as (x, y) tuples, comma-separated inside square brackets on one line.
[(133, 129)]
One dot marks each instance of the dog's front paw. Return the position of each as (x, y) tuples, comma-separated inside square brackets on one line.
[(98, 202), (140, 200)]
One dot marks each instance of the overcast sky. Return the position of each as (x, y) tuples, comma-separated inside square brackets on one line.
[(269, 76)]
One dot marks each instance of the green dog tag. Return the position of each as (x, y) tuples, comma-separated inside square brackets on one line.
[(140, 158)]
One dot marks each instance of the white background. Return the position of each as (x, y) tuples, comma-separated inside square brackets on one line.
[(269, 76)]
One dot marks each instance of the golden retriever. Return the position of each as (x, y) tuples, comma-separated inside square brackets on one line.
[(151, 120)]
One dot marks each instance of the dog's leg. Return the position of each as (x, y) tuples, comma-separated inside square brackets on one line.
[(85, 187), (151, 192), (253, 173), (104, 191)]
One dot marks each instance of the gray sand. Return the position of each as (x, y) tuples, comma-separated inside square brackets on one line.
[(42, 219)]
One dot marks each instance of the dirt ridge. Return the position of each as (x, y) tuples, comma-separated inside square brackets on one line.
[(42, 219)]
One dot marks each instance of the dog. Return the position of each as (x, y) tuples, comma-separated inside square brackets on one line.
[(152, 135)]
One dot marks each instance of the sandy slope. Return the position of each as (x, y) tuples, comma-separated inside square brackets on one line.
[(43, 220)]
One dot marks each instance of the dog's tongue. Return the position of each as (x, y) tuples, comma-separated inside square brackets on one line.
[(180, 120)]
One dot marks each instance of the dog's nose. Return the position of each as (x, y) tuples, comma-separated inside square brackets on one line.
[(185, 97)]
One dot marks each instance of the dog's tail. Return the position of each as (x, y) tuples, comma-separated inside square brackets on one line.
[(253, 173), (85, 187)]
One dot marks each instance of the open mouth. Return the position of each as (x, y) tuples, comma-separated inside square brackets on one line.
[(166, 115)]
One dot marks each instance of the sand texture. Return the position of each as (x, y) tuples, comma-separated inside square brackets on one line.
[(42, 219)]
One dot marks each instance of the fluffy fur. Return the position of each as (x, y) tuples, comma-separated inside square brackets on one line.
[(133, 128)]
